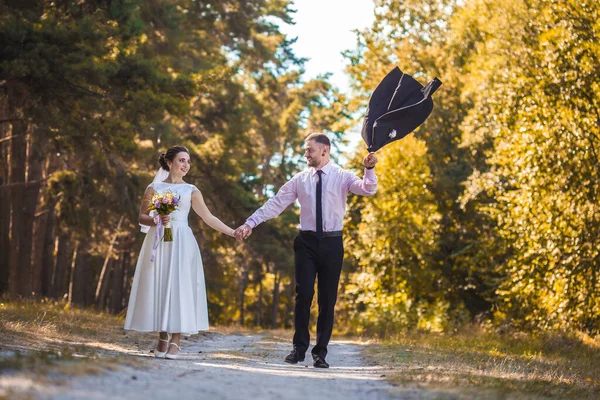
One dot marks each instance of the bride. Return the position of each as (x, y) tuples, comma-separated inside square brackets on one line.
[(169, 295)]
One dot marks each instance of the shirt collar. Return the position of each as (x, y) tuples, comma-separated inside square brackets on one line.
[(326, 168)]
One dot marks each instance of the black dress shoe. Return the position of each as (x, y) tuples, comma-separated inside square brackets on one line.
[(294, 357), (319, 362)]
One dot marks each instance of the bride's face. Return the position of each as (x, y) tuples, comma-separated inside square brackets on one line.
[(180, 164)]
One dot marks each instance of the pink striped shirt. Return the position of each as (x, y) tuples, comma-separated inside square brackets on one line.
[(303, 187)]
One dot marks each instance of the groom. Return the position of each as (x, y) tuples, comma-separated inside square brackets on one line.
[(318, 249)]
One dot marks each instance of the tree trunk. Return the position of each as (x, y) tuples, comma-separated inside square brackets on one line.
[(24, 202), (275, 310), (243, 285), (72, 273), (4, 199), (82, 276), (29, 206), (39, 240), (259, 317), (103, 280), (103, 284), (43, 226), (115, 300), (18, 156), (89, 267), (61, 269), (47, 260), (128, 271)]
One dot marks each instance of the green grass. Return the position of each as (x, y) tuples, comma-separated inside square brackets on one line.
[(479, 363)]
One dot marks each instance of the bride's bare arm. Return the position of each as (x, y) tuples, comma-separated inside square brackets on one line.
[(200, 208), (144, 218)]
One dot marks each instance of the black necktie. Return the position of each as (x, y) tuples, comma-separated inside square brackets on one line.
[(319, 206)]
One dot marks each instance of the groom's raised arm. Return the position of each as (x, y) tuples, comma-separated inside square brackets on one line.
[(276, 204), (368, 185), (362, 187)]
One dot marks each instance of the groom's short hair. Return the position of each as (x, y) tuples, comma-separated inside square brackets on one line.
[(319, 137)]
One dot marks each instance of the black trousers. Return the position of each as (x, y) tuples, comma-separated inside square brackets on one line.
[(322, 258)]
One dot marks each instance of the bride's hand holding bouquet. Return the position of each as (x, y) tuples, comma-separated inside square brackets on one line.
[(163, 204)]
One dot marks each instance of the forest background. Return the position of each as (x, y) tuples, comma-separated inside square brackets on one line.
[(489, 213)]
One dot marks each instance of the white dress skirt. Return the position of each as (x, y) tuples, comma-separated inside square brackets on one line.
[(169, 294)]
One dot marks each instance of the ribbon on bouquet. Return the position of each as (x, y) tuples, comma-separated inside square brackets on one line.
[(159, 231)]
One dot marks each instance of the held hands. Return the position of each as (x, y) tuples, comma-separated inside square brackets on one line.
[(370, 160), (243, 232)]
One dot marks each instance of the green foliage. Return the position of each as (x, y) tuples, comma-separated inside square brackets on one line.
[(415, 36), (541, 172), (392, 285), (108, 85), (490, 210), (513, 165)]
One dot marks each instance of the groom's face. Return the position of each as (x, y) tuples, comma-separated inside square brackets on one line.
[(314, 153)]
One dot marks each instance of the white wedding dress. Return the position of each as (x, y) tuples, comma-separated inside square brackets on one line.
[(169, 294)]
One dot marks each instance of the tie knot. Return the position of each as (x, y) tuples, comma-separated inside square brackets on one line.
[(320, 172)]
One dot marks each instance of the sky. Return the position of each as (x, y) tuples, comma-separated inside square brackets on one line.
[(324, 29)]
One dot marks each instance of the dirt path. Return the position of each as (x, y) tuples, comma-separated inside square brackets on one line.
[(218, 366)]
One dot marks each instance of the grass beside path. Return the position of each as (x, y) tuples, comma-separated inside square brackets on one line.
[(47, 336), (41, 339), (478, 363)]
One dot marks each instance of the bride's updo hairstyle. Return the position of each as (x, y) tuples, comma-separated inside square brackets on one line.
[(170, 156)]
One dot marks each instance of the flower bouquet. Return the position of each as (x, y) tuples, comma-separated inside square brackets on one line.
[(164, 204)]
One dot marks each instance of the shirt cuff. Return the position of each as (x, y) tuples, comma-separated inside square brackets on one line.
[(370, 173), (251, 223)]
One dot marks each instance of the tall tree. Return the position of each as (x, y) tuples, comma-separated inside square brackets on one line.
[(391, 237), (104, 86), (416, 36), (541, 179)]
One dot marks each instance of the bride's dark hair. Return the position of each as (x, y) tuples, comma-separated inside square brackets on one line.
[(170, 155)]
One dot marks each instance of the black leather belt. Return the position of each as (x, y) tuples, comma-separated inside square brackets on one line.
[(325, 234)]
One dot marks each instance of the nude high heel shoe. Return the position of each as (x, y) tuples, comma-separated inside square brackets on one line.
[(173, 356), (161, 354)]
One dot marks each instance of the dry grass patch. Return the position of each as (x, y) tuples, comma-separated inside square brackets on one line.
[(49, 336), (499, 365)]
